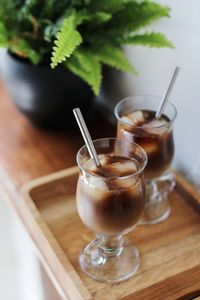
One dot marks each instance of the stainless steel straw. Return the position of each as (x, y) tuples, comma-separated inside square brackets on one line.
[(167, 93), (86, 136)]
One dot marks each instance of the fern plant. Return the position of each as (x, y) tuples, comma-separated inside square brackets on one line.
[(82, 35)]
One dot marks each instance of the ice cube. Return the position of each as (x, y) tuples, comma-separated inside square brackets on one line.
[(156, 123), (127, 120), (127, 183), (103, 159), (97, 183), (136, 117), (123, 168), (90, 164), (156, 126), (150, 147)]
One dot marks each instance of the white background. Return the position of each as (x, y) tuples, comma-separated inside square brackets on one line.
[(156, 65)]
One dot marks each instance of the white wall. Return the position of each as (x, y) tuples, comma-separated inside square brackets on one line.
[(20, 277), (155, 67)]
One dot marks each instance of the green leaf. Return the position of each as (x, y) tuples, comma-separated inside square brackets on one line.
[(86, 65), (114, 57), (110, 6), (154, 39), (104, 25), (48, 8), (135, 15), (3, 36), (93, 17), (22, 48), (82, 16), (101, 17), (25, 11), (82, 2), (68, 39)]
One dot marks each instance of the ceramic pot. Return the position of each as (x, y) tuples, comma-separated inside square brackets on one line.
[(45, 96)]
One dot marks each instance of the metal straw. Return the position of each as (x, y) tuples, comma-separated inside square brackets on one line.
[(167, 93), (86, 136)]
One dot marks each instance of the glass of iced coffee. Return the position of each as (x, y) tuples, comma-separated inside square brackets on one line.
[(110, 201), (137, 123)]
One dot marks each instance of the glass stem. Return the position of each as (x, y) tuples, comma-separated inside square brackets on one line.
[(110, 245)]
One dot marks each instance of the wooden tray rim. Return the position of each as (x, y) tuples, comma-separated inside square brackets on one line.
[(69, 283)]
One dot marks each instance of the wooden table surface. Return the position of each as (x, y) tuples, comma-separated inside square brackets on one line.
[(27, 152)]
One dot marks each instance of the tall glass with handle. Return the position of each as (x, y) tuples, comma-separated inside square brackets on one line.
[(137, 123), (110, 201)]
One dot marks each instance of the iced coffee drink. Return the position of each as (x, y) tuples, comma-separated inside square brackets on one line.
[(110, 201), (137, 123), (155, 136)]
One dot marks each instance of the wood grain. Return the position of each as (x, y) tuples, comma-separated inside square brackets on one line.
[(27, 152), (170, 251), (181, 283), (49, 291)]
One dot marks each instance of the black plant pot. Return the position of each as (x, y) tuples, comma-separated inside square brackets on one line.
[(45, 96)]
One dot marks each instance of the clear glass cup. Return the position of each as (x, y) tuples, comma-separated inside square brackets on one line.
[(158, 142), (111, 206)]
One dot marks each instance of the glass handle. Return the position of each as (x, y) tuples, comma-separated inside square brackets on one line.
[(166, 182)]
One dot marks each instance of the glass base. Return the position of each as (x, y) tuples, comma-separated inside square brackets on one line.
[(112, 266)]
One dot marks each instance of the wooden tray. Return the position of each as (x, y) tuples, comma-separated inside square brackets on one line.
[(170, 251)]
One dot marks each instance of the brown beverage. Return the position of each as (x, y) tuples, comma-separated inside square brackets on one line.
[(155, 136), (110, 199)]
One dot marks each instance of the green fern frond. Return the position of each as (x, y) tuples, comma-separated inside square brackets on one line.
[(110, 6), (135, 15), (25, 11), (31, 27), (48, 8), (68, 39), (154, 39), (114, 57), (101, 17), (82, 16), (82, 2), (94, 17), (3, 36), (87, 2), (93, 67), (87, 66), (22, 48)]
